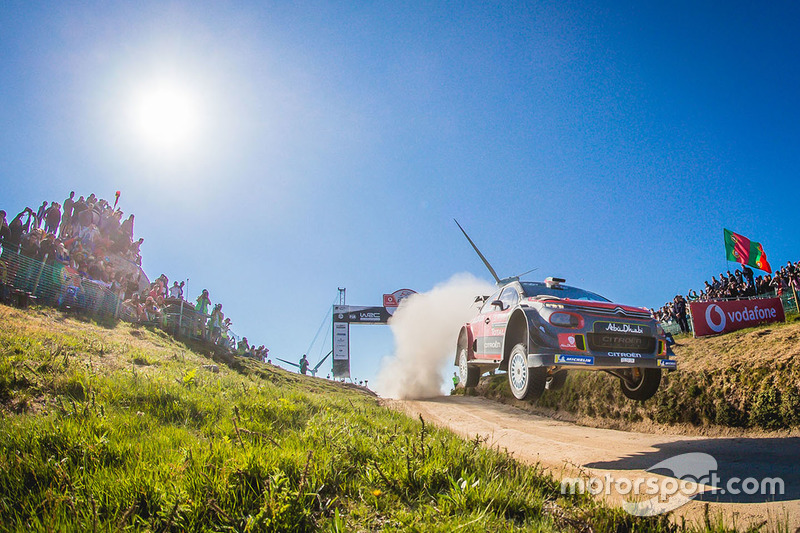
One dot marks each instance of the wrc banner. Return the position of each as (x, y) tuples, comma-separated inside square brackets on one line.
[(714, 318)]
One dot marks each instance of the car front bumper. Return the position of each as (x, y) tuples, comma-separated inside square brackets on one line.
[(600, 362)]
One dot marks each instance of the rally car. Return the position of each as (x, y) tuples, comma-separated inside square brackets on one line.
[(538, 331)]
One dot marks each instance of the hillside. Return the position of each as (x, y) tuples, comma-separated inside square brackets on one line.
[(746, 379), (123, 428)]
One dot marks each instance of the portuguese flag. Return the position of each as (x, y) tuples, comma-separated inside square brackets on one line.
[(740, 249)]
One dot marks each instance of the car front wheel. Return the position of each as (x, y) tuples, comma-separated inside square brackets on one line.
[(526, 383), (643, 383)]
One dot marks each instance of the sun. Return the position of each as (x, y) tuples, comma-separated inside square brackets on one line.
[(165, 116)]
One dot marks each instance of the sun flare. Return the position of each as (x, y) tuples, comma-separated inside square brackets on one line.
[(165, 116)]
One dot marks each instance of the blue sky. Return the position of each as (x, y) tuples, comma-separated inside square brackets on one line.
[(332, 144)]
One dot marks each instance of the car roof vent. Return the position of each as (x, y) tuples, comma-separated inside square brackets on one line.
[(553, 282)]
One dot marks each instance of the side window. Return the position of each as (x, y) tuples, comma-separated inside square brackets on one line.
[(509, 297), (487, 306)]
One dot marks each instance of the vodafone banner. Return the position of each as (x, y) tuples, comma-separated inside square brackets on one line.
[(713, 318)]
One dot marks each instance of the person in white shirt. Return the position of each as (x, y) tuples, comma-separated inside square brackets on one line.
[(176, 291)]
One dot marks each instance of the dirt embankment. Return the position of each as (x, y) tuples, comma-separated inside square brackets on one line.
[(747, 380)]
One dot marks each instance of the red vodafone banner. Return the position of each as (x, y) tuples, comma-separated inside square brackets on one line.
[(714, 318)]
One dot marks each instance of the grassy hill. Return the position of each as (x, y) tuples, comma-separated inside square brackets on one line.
[(122, 428), (746, 379)]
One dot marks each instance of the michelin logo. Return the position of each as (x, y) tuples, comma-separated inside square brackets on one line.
[(575, 359), (667, 363)]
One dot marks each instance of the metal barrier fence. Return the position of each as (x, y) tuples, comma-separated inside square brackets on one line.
[(788, 300), (25, 281)]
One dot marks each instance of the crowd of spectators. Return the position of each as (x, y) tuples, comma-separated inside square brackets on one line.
[(83, 234), (92, 238), (258, 352), (736, 285)]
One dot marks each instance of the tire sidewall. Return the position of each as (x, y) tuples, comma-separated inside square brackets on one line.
[(647, 386), (463, 366), (519, 376)]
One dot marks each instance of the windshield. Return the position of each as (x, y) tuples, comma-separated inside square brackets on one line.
[(535, 288)]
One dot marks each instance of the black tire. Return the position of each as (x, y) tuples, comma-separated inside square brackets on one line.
[(526, 383), (557, 380), (644, 384), (468, 374)]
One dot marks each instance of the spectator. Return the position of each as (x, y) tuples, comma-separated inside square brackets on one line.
[(40, 214), (244, 348), (203, 301), (795, 281), (152, 310), (778, 284), (224, 334), (16, 228), (48, 249), (680, 313), (134, 253), (303, 364), (77, 215), (52, 218), (137, 308), (126, 228), (176, 291), (66, 217), (5, 233), (215, 323)]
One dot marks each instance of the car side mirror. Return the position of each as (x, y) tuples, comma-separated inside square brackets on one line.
[(497, 303)]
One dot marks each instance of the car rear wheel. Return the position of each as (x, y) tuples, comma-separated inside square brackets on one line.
[(643, 383), (526, 383), (468, 374)]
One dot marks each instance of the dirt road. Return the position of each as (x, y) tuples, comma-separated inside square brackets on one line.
[(567, 450)]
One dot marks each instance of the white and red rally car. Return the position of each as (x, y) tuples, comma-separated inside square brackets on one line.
[(537, 332)]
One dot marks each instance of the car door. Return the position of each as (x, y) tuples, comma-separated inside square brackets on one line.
[(480, 323), (496, 321)]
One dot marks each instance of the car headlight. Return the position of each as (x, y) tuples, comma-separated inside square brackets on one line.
[(566, 320)]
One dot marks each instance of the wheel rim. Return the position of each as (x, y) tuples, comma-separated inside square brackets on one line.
[(638, 379), (462, 365), (518, 370)]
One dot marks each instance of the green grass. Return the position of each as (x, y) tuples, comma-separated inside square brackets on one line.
[(122, 429)]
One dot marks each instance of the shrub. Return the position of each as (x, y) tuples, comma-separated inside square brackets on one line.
[(766, 410)]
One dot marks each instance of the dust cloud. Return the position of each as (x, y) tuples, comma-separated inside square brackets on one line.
[(425, 329)]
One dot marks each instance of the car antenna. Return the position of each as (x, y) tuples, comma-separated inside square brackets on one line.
[(528, 272), (497, 279), (485, 262)]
